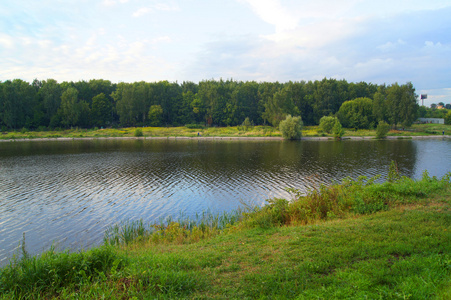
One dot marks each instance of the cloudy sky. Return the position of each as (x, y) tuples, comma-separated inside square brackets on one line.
[(378, 41)]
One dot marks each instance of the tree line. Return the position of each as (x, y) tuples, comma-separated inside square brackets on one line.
[(101, 103)]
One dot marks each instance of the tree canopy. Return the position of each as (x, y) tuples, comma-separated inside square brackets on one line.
[(99, 102)]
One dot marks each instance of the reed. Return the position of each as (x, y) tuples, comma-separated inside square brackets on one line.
[(182, 229)]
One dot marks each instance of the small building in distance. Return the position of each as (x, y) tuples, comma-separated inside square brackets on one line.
[(431, 121)]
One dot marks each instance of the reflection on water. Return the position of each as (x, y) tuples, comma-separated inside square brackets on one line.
[(69, 192)]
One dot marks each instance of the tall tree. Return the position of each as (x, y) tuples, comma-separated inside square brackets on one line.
[(16, 103), (69, 109), (401, 104), (281, 105), (50, 95), (101, 110)]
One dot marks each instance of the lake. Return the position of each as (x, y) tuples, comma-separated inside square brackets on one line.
[(67, 193)]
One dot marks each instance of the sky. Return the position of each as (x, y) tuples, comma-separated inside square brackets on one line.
[(375, 41)]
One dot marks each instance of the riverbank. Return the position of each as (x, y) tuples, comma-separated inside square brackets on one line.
[(222, 138), (251, 133), (358, 239)]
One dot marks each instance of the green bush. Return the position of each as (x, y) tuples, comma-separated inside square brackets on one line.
[(338, 130), (327, 123), (448, 118), (382, 129), (247, 123), (291, 128), (138, 132)]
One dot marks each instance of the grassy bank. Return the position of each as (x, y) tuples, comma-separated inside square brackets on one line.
[(357, 239), (255, 131)]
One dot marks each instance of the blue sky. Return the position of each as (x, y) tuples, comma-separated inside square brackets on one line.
[(378, 41)]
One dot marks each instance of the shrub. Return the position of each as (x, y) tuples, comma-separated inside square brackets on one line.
[(382, 130), (291, 128), (327, 123), (338, 130), (138, 132), (247, 123), (448, 118)]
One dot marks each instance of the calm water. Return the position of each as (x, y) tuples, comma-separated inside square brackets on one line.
[(68, 193)]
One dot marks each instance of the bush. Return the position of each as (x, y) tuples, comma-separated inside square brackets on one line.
[(327, 123), (291, 128), (382, 130), (448, 118), (338, 130), (138, 132), (247, 123)]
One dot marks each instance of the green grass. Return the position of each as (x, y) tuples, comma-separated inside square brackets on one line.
[(354, 240), (237, 131)]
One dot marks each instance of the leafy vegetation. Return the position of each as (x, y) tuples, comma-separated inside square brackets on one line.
[(382, 130), (51, 105), (338, 130), (357, 113), (291, 128), (192, 130), (327, 123), (357, 239)]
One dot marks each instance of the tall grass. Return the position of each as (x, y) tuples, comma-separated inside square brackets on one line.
[(183, 229), (49, 272), (361, 196)]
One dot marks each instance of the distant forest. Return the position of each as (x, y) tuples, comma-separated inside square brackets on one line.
[(100, 103)]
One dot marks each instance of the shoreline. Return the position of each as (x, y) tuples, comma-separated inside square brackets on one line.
[(219, 138)]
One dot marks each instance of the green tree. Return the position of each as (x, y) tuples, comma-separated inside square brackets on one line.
[(84, 118), (155, 115), (357, 113), (101, 110), (338, 130), (448, 118), (50, 95), (380, 105), (69, 109), (16, 103), (125, 106), (382, 129), (247, 123), (327, 123), (291, 127), (401, 104), (280, 105)]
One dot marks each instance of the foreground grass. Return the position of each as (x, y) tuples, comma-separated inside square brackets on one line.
[(357, 239), (237, 131)]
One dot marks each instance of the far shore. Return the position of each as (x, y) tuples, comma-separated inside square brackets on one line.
[(243, 138)]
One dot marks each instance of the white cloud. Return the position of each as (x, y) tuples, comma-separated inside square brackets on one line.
[(142, 11), (6, 41), (161, 39), (390, 46), (430, 44), (272, 12), (155, 7), (113, 2)]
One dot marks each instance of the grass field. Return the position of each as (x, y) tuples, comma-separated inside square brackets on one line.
[(237, 131), (354, 240)]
